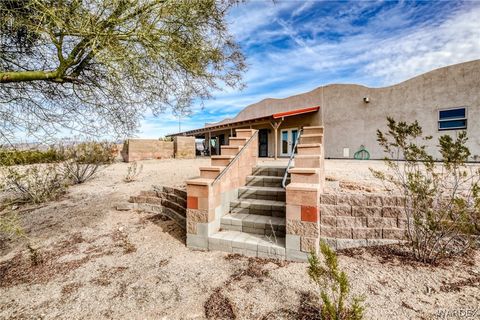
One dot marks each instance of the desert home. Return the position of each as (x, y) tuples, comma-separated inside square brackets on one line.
[(283, 212), (443, 101)]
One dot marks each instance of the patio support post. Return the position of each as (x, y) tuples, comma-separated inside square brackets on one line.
[(275, 125), (209, 144)]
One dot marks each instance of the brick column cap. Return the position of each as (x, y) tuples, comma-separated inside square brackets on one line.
[(200, 181), (303, 187)]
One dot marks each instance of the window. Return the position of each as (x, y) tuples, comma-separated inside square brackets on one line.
[(452, 119)]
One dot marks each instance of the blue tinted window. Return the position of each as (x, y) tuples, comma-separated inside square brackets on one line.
[(452, 124), (452, 114)]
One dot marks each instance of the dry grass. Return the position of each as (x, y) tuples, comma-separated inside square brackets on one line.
[(219, 307)]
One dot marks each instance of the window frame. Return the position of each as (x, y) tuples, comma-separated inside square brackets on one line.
[(465, 118)]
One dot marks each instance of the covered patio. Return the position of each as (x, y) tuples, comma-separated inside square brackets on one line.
[(277, 132)]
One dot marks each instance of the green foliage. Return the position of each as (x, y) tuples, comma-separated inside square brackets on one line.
[(32, 184), (9, 157), (442, 200), (83, 160), (98, 65), (334, 287)]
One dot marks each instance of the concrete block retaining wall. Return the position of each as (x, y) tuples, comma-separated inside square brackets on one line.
[(355, 220), (145, 149), (184, 147), (169, 201)]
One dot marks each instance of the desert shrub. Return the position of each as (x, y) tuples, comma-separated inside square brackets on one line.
[(9, 224), (83, 160), (10, 157), (133, 171), (334, 287), (32, 184), (442, 199)]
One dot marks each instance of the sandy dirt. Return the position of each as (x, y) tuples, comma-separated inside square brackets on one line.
[(94, 262)]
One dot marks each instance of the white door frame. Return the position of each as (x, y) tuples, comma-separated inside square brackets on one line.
[(290, 141)]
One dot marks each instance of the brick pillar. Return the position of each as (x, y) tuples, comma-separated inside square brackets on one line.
[(302, 220)]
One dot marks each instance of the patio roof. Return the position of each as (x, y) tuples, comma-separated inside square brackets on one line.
[(242, 123)]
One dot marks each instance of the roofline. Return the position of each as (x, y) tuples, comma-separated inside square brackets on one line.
[(246, 122)]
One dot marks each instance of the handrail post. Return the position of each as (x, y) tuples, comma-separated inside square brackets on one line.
[(291, 158)]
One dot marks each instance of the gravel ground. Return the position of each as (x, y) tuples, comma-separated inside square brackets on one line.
[(98, 263)]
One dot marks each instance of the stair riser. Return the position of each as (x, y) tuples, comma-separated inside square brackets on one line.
[(256, 182), (305, 178), (308, 130), (278, 231), (220, 162), (305, 140), (261, 196), (229, 151), (260, 212), (235, 142), (310, 162), (310, 150), (208, 174), (272, 172), (244, 134)]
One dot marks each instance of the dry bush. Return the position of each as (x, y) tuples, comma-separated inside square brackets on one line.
[(133, 172), (32, 184), (83, 160), (10, 157), (442, 199), (334, 287)]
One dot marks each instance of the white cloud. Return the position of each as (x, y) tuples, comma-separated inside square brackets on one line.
[(370, 54)]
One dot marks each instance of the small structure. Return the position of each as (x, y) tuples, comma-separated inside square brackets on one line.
[(145, 149)]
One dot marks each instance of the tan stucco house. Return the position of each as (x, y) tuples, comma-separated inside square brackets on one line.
[(444, 100)]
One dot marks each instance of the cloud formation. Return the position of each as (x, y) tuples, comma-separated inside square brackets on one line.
[(293, 47)]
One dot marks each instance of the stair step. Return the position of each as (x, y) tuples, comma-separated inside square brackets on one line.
[(253, 223), (309, 149), (311, 138), (269, 171), (249, 244), (313, 130), (222, 160), (258, 207), (210, 172), (265, 181), (230, 150), (308, 161), (262, 193), (237, 141)]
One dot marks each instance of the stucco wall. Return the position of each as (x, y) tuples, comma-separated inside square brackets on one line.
[(350, 122)]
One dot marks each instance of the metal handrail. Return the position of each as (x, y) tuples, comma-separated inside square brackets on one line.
[(284, 181), (235, 158)]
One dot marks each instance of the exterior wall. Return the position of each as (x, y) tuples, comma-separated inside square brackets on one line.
[(417, 99), (184, 147), (354, 220), (144, 149), (350, 122)]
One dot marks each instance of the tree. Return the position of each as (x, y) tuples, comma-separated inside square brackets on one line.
[(96, 66), (442, 199)]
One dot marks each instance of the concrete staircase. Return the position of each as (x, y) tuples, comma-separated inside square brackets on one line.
[(255, 225)]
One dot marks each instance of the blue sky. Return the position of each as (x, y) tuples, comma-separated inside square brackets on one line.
[(295, 46)]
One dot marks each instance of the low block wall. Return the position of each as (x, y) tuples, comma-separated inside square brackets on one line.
[(169, 201), (184, 147), (145, 149), (355, 220), (208, 200)]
